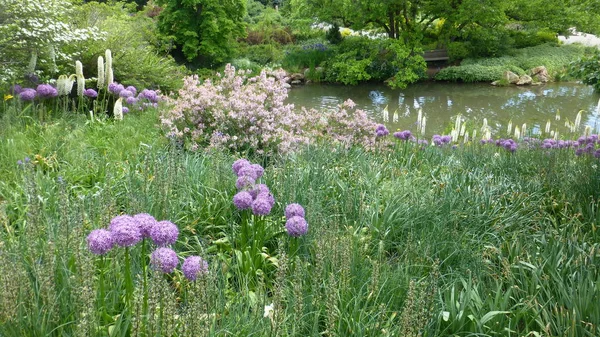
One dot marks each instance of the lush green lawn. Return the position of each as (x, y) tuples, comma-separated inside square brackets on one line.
[(473, 241)]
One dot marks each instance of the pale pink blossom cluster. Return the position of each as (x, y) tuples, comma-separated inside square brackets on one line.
[(237, 112), (248, 114)]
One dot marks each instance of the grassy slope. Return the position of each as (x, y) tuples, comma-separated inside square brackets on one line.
[(441, 241)]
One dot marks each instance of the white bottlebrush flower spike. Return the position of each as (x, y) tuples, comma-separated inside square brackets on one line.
[(419, 117), (78, 68), (395, 118), (108, 68), (578, 120), (524, 129), (517, 132), (509, 129), (587, 131), (118, 109), (423, 125), (386, 114), (80, 85), (547, 130), (557, 115), (100, 72)]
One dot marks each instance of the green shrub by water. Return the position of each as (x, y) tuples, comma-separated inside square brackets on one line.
[(433, 242), (554, 58)]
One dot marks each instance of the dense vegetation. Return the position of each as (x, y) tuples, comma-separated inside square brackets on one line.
[(210, 207)]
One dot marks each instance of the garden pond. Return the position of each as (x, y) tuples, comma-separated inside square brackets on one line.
[(441, 102)]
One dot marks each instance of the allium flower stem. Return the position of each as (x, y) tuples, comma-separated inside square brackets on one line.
[(128, 281)]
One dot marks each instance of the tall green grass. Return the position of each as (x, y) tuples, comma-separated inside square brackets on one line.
[(433, 242)]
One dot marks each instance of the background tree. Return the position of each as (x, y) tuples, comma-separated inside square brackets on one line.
[(203, 31)]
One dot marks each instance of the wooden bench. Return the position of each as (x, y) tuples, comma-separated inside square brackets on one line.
[(436, 55)]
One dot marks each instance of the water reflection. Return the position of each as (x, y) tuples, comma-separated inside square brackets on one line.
[(440, 102)]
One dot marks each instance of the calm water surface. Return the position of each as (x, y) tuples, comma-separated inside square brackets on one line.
[(442, 102)]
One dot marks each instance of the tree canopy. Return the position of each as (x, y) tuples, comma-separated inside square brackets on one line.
[(202, 30)]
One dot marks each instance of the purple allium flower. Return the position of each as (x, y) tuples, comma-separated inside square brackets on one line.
[(242, 200), (164, 233), (446, 139), (125, 230), (164, 259), (125, 93), (403, 135), (116, 88), (259, 189), (100, 241), (579, 151), (248, 171), (238, 164), (125, 110), (293, 210), (597, 153), (193, 267), (132, 89), (259, 170), (27, 94), (437, 140), (381, 130), (244, 182), (149, 95), (15, 89), (145, 221), (46, 91), (19, 162), (131, 100), (262, 205), (296, 226), (91, 93)]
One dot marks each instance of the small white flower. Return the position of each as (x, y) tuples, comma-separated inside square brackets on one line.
[(269, 310)]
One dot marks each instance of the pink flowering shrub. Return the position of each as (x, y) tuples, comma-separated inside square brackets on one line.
[(347, 126), (244, 113), (237, 112)]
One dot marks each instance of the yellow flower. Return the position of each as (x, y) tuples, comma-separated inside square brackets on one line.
[(7, 97)]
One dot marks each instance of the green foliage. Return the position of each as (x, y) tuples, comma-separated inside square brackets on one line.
[(531, 38), (135, 48), (203, 31), (308, 54), (360, 59), (554, 58), (475, 73), (262, 54), (333, 34), (588, 70)]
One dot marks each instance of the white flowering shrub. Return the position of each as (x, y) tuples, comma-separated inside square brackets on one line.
[(34, 34)]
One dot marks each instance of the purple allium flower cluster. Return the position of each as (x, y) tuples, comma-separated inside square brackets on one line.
[(164, 259), (125, 230), (295, 224), (164, 233), (251, 195), (381, 130), (46, 91), (438, 140), (91, 93), (27, 94), (145, 222), (509, 144), (292, 210), (100, 241), (194, 266), (15, 89), (145, 99), (404, 135)]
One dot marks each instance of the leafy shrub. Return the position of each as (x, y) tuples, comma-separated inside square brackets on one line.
[(132, 40), (554, 58), (360, 59), (457, 51), (333, 35), (309, 54), (475, 73), (262, 54), (523, 39), (588, 70)]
